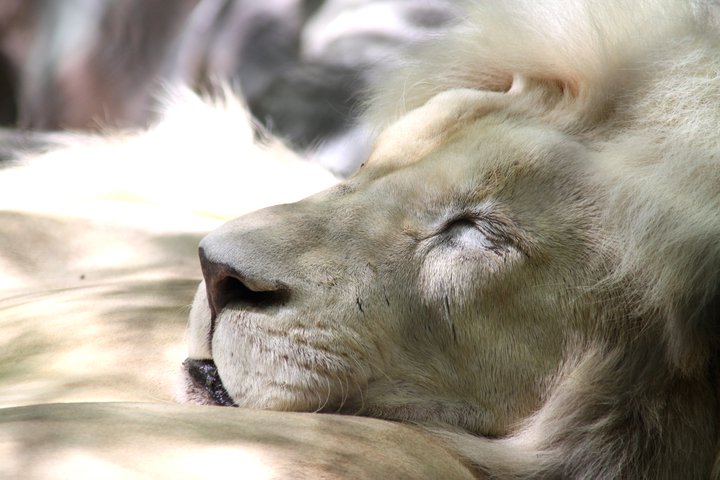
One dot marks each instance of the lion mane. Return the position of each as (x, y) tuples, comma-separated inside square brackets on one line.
[(640, 81), (632, 90)]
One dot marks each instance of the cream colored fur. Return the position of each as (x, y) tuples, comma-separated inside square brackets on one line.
[(99, 264), (168, 442), (528, 264)]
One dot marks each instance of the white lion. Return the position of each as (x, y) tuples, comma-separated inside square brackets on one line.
[(528, 263)]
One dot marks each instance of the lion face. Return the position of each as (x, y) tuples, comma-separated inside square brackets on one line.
[(444, 282)]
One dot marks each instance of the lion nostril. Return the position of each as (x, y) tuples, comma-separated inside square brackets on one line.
[(227, 285), (232, 289)]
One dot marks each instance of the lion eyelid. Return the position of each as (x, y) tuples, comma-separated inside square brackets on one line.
[(478, 224), (501, 234)]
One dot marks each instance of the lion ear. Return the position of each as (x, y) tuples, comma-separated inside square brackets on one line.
[(428, 127), (522, 83), (518, 85)]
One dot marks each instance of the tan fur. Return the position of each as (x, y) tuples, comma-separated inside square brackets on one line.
[(170, 441), (528, 264)]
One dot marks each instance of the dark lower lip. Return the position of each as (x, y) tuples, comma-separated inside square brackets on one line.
[(204, 375)]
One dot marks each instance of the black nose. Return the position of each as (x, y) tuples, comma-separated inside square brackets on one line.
[(227, 284)]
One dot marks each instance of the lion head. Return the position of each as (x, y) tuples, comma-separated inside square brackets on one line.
[(528, 266)]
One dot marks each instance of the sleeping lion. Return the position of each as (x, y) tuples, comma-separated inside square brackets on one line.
[(528, 264)]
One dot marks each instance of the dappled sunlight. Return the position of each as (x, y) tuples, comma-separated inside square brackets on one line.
[(153, 441), (104, 342), (167, 462)]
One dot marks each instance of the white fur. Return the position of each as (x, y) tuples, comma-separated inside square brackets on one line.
[(206, 151), (531, 268)]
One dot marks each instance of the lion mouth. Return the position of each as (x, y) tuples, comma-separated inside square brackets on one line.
[(204, 376)]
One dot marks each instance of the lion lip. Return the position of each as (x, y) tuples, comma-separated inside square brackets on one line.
[(204, 375)]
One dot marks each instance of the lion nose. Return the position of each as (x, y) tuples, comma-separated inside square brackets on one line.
[(227, 284)]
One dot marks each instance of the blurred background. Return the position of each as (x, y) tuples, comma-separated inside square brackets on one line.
[(301, 65), (98, 237)]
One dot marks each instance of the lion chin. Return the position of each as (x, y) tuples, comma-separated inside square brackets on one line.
[(528, 264)]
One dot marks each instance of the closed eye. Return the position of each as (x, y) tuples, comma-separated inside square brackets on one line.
[(476, 233)]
